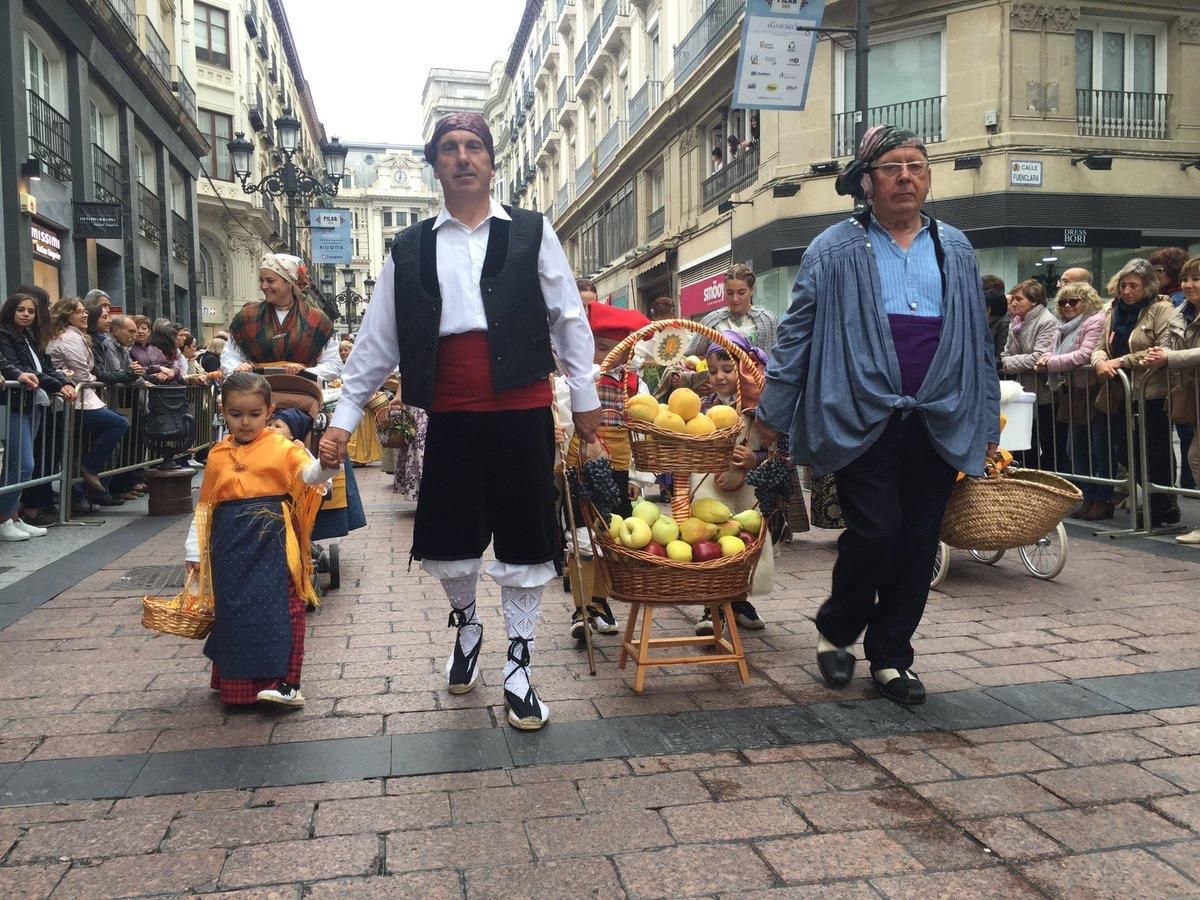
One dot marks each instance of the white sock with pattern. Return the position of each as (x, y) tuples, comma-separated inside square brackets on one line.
[(461, 592), (522, 608)]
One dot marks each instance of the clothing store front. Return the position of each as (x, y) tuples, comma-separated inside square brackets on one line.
[(47, 258)]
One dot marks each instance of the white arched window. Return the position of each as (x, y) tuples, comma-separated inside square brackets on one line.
[(208, 278)]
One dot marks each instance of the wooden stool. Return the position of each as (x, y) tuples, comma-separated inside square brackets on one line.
[(722, 616)]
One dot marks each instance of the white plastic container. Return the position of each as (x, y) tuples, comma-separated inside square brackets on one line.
[(1018, 409)]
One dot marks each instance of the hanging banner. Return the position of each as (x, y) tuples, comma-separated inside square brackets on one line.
[(98, 220), (330, 231), (776, 58)]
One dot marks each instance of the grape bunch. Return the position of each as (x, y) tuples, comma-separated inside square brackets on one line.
[(772, 482), (598, 486)]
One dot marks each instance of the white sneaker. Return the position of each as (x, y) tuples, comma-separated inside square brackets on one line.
[(1192, 537), (31, 530), (10, 532), (284, 695)]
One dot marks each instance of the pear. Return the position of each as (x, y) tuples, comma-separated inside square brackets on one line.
[(665, 530), (646, 511), (731, 545), (728, 528), (695, 530), (679, 551), (685, 403), (750, 520), (709, 510), (614, 526)]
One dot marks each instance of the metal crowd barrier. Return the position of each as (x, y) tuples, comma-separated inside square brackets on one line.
[(1171, 425), (59, 439)]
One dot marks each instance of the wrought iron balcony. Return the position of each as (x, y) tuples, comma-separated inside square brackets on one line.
[(563, 6), (581, 60), (155, 48), (49, 137), (149, 213), (614, 12), (184, 91), (563, 200), (566, 91), (181, 237), (656, 223), (126, 13), (251, 19), (583, 176), (595, 32), (608, 146), (1129, 114), (924, 117), (717, 20), (107, 176), (739, 172), (644, 102)]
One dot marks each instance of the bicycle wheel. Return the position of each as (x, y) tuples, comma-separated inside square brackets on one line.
[(1046, 558), (987, 557), (941, 565)]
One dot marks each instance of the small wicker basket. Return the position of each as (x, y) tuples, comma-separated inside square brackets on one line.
[(187, 614), (1002, 512)]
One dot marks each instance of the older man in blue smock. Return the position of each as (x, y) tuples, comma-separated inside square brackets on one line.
[(883, 373)]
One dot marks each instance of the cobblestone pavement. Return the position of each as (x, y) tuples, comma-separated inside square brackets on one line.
[(1103, 805)]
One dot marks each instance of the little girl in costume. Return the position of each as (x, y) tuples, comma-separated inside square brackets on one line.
[(250, 541), (730, 486)]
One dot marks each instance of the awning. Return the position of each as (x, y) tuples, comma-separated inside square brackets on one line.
[(658, 259)]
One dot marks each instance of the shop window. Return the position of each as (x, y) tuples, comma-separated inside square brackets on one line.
[(906, 87), (211, 29)]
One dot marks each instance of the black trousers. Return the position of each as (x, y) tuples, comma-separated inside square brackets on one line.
[(1160, 458), (488, 477), (893, 498)]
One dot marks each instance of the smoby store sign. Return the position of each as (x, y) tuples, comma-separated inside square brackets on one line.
[(703, 296)]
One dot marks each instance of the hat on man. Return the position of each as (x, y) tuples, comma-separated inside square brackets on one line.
[(613, 323), (460, 121), (855, 180)]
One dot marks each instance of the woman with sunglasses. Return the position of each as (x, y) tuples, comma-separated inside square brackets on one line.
[(1083, 440)]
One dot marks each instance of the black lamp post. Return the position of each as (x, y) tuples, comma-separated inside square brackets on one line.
[(289, 180), (349, 298)]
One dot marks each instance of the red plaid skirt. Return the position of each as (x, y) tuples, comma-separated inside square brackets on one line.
[(239, 691)]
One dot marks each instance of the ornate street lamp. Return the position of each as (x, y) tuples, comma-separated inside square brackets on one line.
[(350, 298), (289, 180)]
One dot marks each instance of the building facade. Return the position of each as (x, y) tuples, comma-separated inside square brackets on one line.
[(100, 152), (1059, 135), (387, 187), (248, 73), (452, 90)]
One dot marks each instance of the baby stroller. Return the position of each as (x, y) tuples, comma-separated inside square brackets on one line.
[(304, 394)]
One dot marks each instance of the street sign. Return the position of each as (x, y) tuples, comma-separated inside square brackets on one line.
[(1025, 173), (776, 58), (98, 220), (330, 231)]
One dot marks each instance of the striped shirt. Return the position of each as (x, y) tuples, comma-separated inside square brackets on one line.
[(910, 280)]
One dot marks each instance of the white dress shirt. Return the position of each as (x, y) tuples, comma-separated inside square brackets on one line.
[(328, 366), (460, 254)]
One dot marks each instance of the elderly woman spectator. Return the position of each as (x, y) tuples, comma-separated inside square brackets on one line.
[(1031, 332), (165, 339), (1181, 354), (210, 358), (190, 351), (22, 360), (71, 351), (1138, 320), (1083, 441)]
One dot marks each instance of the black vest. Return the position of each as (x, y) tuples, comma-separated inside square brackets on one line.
[(518, 328)]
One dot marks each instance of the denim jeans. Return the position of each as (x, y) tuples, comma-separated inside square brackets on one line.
[(105, 428), (18, 454)]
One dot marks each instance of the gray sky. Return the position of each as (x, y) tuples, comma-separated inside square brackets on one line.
[(366, 61)]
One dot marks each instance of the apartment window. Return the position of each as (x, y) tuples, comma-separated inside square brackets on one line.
[(387, 218), (208, 284), (212, 35), (218, 129), (906, 87), (38, 70), (1120, 79)]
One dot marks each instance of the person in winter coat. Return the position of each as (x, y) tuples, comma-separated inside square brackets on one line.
[(1031, 333)]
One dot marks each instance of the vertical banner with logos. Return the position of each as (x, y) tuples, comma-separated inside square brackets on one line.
[(777, 53), (330, 230)]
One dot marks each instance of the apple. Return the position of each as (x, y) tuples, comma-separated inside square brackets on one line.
[(656, 549), (702, 551), (731, 546), (646, 511), (679, 551), (747, 537), (634, 533), (665, 530)]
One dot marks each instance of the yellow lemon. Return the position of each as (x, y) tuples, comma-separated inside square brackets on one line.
[(685, 403), (702, 424), (723, 416)]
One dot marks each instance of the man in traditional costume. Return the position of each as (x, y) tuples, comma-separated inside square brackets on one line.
[(884, 374), (472, 305)]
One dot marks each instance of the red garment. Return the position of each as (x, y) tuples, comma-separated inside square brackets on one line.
[(464, 379), (240, 691)]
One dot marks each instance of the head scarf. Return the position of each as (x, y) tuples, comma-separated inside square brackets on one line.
[(855, 181), (298, 422), (736, 337), (460, 121), (290, 268)]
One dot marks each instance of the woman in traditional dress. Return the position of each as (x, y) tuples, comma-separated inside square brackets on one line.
[(249, 543), (364, 444)]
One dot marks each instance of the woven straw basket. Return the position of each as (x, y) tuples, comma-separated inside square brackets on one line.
[(659, 450), (185, 615), (1002, 512)]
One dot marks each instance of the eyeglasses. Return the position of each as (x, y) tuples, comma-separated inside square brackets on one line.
[(1068, 304), (1160, 270), (893, 169)]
